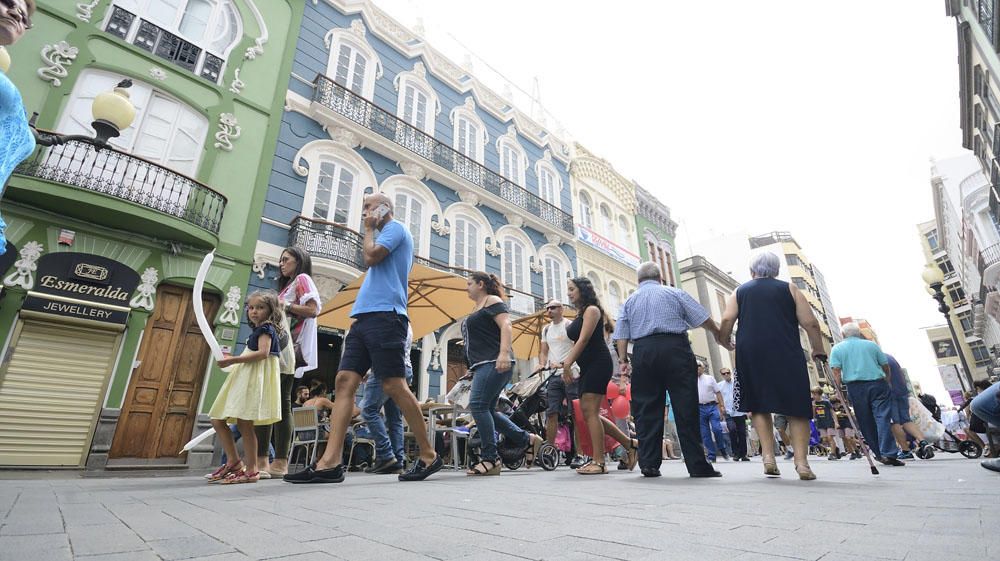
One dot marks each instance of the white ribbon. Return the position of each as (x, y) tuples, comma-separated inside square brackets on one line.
[(199, 310)]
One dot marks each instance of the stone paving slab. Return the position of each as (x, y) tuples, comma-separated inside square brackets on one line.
[(945, 508)]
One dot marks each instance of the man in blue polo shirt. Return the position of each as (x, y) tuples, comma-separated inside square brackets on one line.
[(376, 342), (864, 368)]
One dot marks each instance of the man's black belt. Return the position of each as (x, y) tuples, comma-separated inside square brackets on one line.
[(706, 403), (652, 335)]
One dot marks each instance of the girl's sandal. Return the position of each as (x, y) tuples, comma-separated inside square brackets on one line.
[(482, 469), (632, 457), (592, 468), (224, 471), (534, 444), (241, 476)]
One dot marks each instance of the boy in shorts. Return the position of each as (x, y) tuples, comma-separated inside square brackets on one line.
[(826, 422)]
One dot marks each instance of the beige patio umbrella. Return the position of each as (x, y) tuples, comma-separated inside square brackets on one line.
[(527, 332), (436, 298)]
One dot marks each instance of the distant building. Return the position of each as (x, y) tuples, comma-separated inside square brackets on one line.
[(657, 232), (707, 284)]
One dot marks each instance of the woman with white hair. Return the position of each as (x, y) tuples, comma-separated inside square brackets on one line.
[(771, 374)]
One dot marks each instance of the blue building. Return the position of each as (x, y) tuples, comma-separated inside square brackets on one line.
[(370, 107)]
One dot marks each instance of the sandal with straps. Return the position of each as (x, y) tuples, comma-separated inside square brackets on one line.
[(534, 445), (241, 476), (592, 468), (632, 456), (224, 471), (482, 469)]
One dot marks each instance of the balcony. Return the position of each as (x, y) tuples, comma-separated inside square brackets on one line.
[(359, 110), (989, 265), (338, 243), (164, 204)]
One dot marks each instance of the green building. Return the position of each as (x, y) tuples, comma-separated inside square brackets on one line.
[(103, 364), (656, 232)]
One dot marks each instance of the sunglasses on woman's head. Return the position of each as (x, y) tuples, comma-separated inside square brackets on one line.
[(21, 13)]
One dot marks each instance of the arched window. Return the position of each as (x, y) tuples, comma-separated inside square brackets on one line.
[(196, 35), (624, 231), (352, 62), (596, 281), (415, 205), (513, 160), (467, 241), (469, 132), (614, 299), (334, 192), (606, 223), (586, 210), (549, 183), (555, 279), (515, 274), (416, 104), (410, 211)]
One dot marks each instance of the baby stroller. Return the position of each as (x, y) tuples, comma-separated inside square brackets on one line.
[(952, 444), (524, 404)]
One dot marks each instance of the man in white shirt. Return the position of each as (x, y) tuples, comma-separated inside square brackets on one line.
[(735, 420), (555, 346), (711, 410)]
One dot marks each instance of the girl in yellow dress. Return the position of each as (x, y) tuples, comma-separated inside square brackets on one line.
[(251, 394)]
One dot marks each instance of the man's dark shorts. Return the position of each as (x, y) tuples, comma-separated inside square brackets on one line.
[(376, 342), (557, 391)]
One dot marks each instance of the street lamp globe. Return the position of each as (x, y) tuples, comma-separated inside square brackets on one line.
[(113, 112), (932, 275)]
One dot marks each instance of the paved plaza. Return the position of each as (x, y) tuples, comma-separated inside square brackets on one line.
[(946, 508)]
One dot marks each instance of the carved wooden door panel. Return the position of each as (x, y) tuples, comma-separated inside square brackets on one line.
[(161, 404)]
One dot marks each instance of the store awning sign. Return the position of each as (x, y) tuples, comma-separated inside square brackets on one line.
[(74, 309), (86, 277), (606, 246)]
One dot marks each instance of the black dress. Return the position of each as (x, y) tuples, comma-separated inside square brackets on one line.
[(771, 373), (595, 360)]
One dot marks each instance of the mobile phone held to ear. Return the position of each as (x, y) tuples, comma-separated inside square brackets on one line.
[(381, 211)]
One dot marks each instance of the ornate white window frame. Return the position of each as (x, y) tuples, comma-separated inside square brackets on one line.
[(467, 111), (607, 220), (586, 211), (509, 141), (416, 189), (354, 37), (545, 165), (469, 213), (417, 79), (314, 154), (505, 233), (552, 251), (613, 304)]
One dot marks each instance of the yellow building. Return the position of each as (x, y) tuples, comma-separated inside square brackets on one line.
[(607, 248)]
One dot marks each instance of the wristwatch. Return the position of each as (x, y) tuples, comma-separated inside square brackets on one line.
[(288, 307)]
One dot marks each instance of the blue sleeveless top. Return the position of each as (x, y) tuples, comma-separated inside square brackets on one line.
[(16, 140)]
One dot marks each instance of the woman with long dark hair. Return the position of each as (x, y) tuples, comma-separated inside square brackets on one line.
[(486, 333), (590, 352), (301, 303)]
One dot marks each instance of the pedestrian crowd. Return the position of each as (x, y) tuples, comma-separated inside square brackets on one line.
[(633, 384)]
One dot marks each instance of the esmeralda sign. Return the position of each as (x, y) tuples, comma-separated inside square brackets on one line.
[(82, 286)]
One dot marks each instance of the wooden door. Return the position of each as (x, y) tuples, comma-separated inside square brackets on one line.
[(456, 364), (161, 404)]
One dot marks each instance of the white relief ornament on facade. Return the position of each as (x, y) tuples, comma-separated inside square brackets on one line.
[(514, 220), (469, 197), (25, 267), (536, 266), (229, 130), (435, 363), (58, 56), (259, 267), (144, 293), (257, 48), (554, 239), (157, 73), (413, 170), (344, 136), (231, 314), (237, 85), (85, 11), (494, 249), (441, 228)]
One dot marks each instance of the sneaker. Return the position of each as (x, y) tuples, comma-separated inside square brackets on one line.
[(623, 465), (833, 457), (650, 472), (579, 461), (420, 471), (855, 456), (313, 475), (889, 461), (789, 454), (905, 455), (744, 459), (384, 466)]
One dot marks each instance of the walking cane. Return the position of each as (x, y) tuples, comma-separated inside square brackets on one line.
[(842, 396)]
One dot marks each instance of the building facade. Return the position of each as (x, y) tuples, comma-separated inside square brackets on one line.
[(96, 307), (707, 284), (656, 232), (371, 106), (606, 230)]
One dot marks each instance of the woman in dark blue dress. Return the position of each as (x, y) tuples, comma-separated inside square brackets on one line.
[(771, 373)]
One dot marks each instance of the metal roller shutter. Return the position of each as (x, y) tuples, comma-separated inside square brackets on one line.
[(51, 392)]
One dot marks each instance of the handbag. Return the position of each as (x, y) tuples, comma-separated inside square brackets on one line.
[(460, 393)]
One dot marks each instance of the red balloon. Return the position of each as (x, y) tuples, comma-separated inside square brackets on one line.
[(620, 407), (613, 390), (628, 392)]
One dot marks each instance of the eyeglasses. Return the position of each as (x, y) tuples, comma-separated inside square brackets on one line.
[(726, 373), (550, 308), (21, 14)]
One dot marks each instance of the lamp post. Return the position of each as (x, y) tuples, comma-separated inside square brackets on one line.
[(934, 278), (112, 111)]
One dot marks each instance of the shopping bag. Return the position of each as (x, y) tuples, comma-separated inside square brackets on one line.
[(920, 416), (459, 394)]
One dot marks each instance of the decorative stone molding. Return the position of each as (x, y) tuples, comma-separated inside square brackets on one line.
[(157, 73), (259, 267), (494, 248), (469, 197), (440, 227), (413, 170), (25, 267), (586, 164), (554, 239), (229, 130), (435, 363), (514, 220), (257, 48), (344, 136), (144, 293), (237, 85), (536, 266), (231, 315), (85, 11), (58, 56)]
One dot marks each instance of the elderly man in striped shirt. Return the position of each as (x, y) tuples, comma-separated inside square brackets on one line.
[(656, 319)]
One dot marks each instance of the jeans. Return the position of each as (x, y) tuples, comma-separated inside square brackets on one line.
[(387, 434), (872, 406), (486, 386), (986, 405), (708, 415)]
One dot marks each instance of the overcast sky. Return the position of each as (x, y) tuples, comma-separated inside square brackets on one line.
[(815, 118)]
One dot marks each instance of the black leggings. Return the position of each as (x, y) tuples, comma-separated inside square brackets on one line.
[(282, 429)]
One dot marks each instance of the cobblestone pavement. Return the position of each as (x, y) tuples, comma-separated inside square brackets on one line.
[(945, 508)]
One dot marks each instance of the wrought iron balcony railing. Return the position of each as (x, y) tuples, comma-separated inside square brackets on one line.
[(337, 242), (363, 112), (130, 178), (989, 256)]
